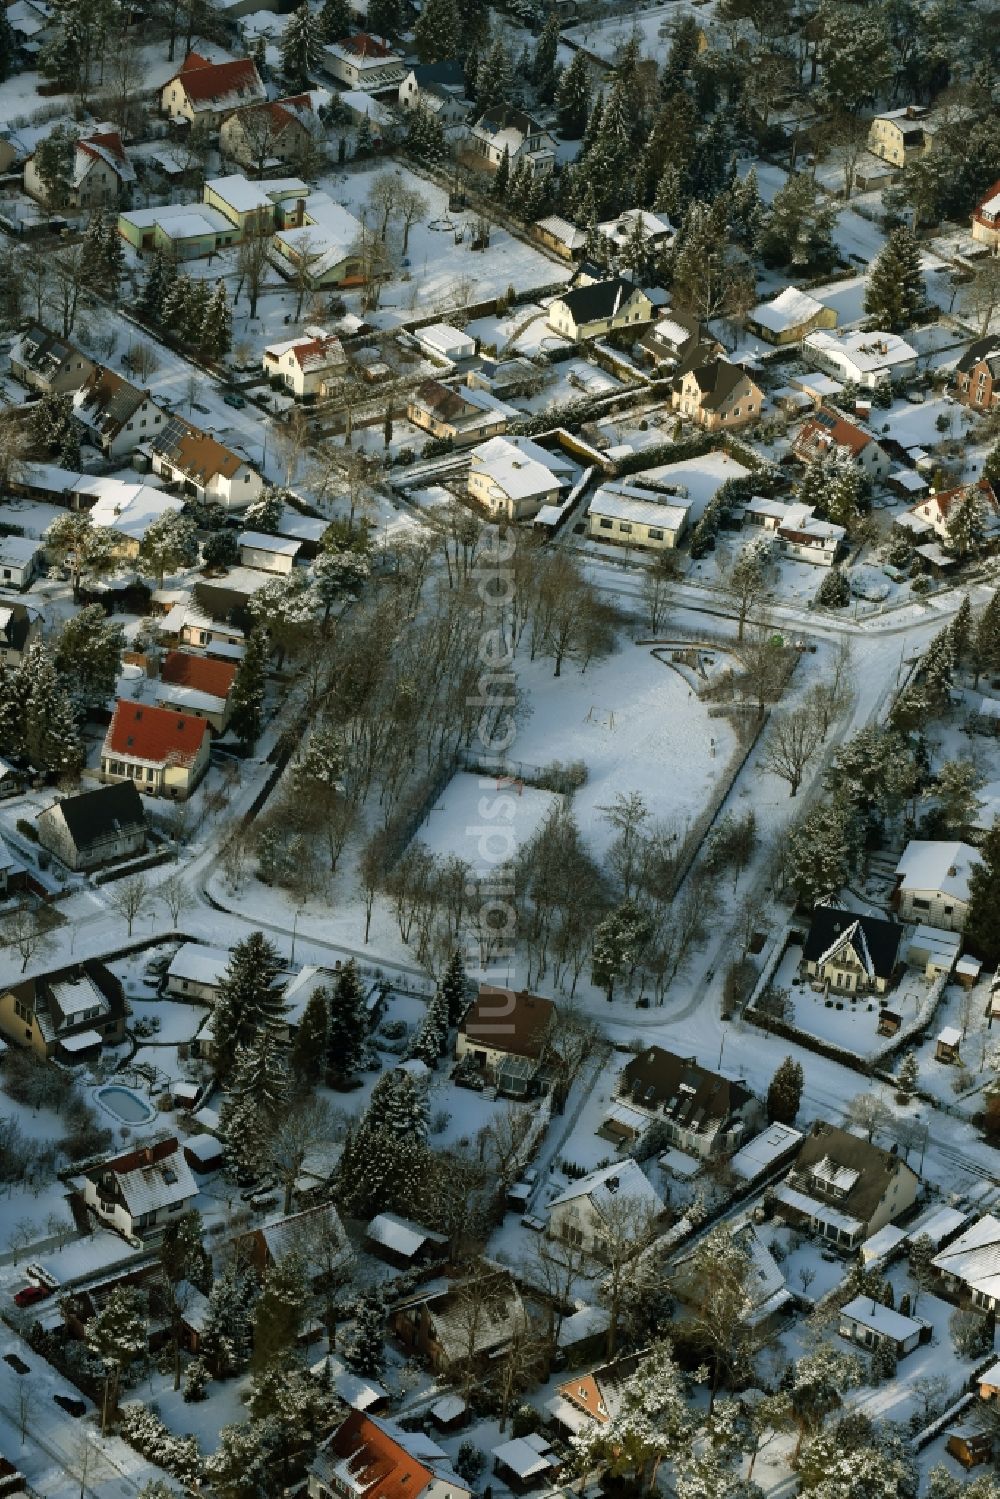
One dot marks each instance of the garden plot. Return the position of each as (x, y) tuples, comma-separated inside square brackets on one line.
[(637, 726), (485, 821), (652, 29), (701, 477), (846, 1022)]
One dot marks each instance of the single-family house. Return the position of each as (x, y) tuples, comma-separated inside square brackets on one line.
[(717, 396), (94, 827), (125, 508), (868, 1322), (593, 1397), (591, 311), (655, 230), (436, 1324), (830, 434), (370, 1456), (66, 1015), (702, 1112), (986, 218), (969, 1268), (321, 246), (788, 317), (200, 628), (513, 477), (316, 1234), (196, 972), (439, 89), (206, 92), (310, 366), (977, 375), (766, 1292), (805, 538), (183, 231), (866, 358), (101, 173), (166, 753), (365, 62), (900, 136), (141, 1191), (934, 512), (507, 1034), (203, 466), (850, 953), (505, 129), (281, 132), (844, 1188), (272, 554), (635, 515), (116, 415), (444, 342), (41, 361), (20, 627), (932, 882), (19, 559), (196, 685), (458, 414), (581, 1215), (677, 342)]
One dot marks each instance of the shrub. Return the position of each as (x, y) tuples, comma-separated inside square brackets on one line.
[(27, 828), (835, 591), (470, 1461)]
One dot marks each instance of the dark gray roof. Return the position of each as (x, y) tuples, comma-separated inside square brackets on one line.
[(503, 117), (686, 1092), (446, 75), (875, 1167), (97, 814), (601, 299), (983, 351), (717, 380), (880, 938)]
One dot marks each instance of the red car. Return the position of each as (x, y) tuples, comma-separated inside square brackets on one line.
[(28, 1295)]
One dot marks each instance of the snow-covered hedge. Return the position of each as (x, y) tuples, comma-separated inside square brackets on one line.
[(143, 1430)]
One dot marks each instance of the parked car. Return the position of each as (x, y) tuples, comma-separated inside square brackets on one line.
[(232, 399), (28, 1295)]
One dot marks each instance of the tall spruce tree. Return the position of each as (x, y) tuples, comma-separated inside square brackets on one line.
[(364, 1350), (784, 1092), (301, 46), (307, 1059), (982, 925), (247, 1002), (895, 293), (247, 694), (280, 1313), (573, 98), (335, 20), (216, 336), (455, 988), (257, 1097), (986, 641), (438, 32), (347, 1038)]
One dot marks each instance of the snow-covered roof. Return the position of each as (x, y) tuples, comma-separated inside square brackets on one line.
[(81, 1041), (764, 1149), (621, 500), (128, 508), (813, 1207), (448, 1408), (239, 194), (200, 964), (165, 1181), (882, 1243), (519, 467), (193, 1304), (868, 353), (585, 1322), (180, 220), (260, 541), (937, 866), (621, 1181), (881, 1319), (188, 699), (789, 309), (949, 1036), (444, 339), (564, 231), (526, 1456), (400, 1235), (654, 225)]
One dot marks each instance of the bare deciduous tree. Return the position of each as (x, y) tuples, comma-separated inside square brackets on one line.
[(175, 893), (792, 742), (129, 898)]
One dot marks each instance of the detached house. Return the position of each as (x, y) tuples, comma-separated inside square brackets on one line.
[(141, 1192), (845, 1188), (591, 311), (507, 1035), (203, 466), (166, 753), (593, 1398), (867, 359), (932, 883), (704, 1113), (505, 129), (977, 375), (630, 514), (95, 827), (789, 316), (852, 954), (282, 131), (934, 512), (434, 1321), (439, 89), (102, 174), (460, 415), (717, 396), (208, 91), (514, 477), (379, 1460), (986, 218), (969, 1269), (117, 416), (41, 361), (582, 1213), (829, 434), (677, 343), (364, 62), (804, 538), (67, 1015), (310, 366), (900, 136), (197, 685)]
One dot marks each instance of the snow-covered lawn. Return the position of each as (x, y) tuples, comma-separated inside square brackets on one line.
[(636, 726), (836, 1018), (475, 811), (652, 27), (701, 477)]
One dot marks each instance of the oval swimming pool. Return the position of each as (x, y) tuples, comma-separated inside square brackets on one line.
[(124, 1105)]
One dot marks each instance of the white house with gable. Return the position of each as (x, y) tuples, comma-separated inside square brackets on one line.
[(581, 1215), (514, 477), (932, 882), (867, 359)]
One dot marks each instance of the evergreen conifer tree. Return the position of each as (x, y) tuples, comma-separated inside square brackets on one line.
[(784, 1092), (279, 1313), (384, 17), (438, 32), (501, 181), (195, 311), (92, 251), (257, 1096), (114, 260), (573, 98), (247, 1002), (174, 304), (431, 1040), (52, 741), (966, 523), (544, 72), (895, 293), (335, 20), (247, 693), (348, 1034), (961, 632), (8, 46), (158, 277), (986, 642), (309, 1048), (821, 852), (364, 1351), (226, 1339), (455, 988), (301, 46), (909, 1074), (982, 925), (216, 337)]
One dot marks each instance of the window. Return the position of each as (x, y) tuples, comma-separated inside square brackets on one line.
[(606, 524), (625, 526), (921, 905), (655, 534)]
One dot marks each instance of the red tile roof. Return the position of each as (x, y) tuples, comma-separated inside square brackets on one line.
[(945, 498), (203, 673), (146, 1155), (829, 430), (366, 46), (381, 1467), (203, 80), (110, 140), (157, 735)]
